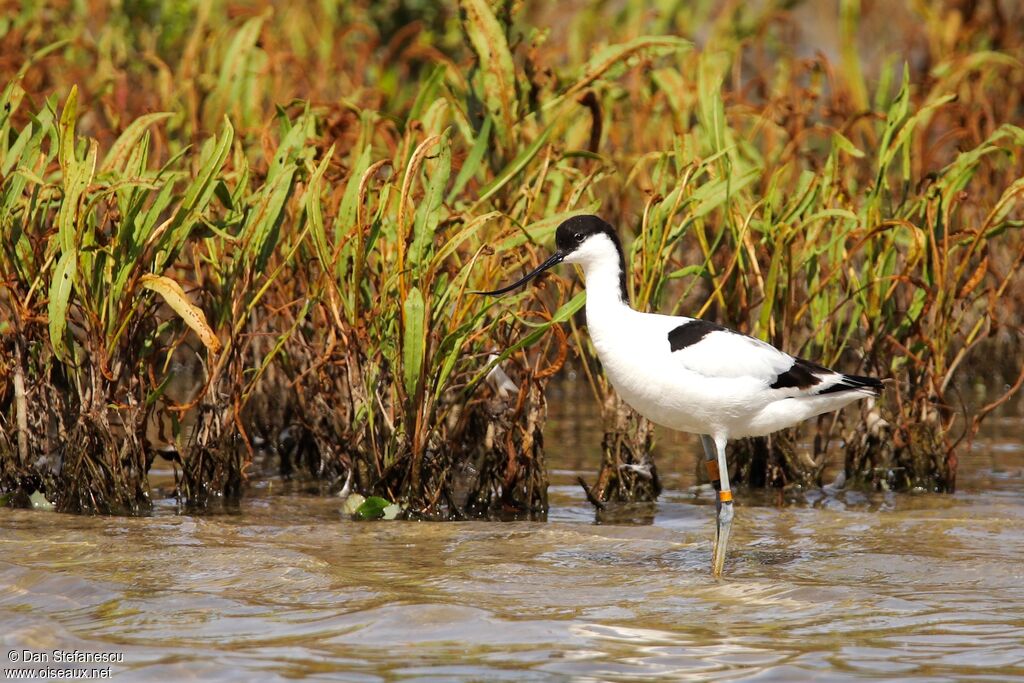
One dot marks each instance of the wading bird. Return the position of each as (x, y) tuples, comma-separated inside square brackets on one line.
[(688, 374)]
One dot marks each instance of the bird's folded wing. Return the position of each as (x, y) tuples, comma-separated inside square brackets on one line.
[(717, 352), (722, 353)]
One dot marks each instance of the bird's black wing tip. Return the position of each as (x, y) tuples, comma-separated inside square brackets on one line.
[(855, 383)]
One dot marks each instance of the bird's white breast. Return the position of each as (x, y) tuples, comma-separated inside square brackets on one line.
[(634, 351)]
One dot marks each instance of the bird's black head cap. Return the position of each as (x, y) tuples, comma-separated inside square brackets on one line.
[(574, 231)]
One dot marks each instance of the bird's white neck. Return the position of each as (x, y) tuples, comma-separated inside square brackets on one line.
[(605, 284), (603, 271), (604, 275), (608, 310)]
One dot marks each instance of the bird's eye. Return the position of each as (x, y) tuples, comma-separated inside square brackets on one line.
[(578, 237)]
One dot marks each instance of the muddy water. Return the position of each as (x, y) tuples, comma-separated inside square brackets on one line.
[(834, 586)]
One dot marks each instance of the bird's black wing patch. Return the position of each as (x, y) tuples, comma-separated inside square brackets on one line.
[(803, 374), (692, 332)]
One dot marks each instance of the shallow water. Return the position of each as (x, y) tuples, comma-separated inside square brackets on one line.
[(833, 587)]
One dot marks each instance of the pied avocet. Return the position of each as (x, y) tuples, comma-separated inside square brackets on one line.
[(690, 374)]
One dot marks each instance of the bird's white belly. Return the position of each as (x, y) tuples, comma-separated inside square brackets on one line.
[(652, 383), (667, 399)]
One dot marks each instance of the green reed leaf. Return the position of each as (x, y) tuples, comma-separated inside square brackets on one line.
[(66, 129), (413, 341), (314, 210), (515, 166), (471, 165), (428, 214), (61, 286), (497, 71), (120, 152)]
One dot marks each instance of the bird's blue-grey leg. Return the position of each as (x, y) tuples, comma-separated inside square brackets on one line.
[(723, 523), (711, 465), (725, 511)]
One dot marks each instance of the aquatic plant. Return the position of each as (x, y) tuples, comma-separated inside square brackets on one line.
[(231, 230)]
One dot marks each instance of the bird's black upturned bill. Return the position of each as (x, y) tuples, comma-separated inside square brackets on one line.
[(555, 259)]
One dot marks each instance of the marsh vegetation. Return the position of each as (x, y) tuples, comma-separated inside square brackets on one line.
[(232, 229)]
